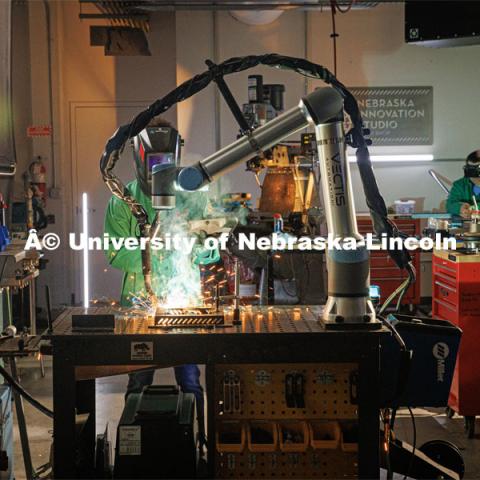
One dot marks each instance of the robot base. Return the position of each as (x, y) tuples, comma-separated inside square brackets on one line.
[(349, 313)]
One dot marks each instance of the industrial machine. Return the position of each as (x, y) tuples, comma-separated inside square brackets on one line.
[(289, 187), (161, 418), (289, 204)]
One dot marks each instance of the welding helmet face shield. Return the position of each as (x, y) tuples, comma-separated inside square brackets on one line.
[(471, 168), (154, 146)]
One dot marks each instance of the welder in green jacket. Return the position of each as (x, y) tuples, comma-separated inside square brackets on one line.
[(460, 198), (158, 143)]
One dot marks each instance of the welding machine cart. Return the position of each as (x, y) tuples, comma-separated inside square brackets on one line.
[(425, 380), (156, 435)]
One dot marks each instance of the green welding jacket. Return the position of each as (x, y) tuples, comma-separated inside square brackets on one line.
[(167, 265), (461, 192)]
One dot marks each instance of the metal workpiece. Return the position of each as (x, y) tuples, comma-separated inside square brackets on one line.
[(188, 317)]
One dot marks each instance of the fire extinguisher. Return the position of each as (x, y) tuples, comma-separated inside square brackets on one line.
[(36, 194), (38, 181)]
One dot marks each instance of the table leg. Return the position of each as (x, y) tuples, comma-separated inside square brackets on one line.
[(210, 384), (64, 404), (32, 307), (368, 411), (22, 425)]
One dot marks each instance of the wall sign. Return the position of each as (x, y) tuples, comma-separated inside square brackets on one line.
[(397, 115), (39, 131)]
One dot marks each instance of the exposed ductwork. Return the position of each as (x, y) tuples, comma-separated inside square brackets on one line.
[(154, 5), (134, 13)]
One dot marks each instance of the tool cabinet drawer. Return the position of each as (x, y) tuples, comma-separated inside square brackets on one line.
[(445, 291), (445, 269), (445, 310)]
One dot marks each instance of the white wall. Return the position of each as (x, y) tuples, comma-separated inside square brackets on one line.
[(22, 99), (371, 51)]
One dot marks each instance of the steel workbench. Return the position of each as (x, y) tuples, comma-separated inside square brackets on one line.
[(267, 335)]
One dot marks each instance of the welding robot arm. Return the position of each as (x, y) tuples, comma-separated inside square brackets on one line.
[(348, 283)]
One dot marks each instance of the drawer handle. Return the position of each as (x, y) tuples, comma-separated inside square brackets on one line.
[(446, 305), (446, 287)]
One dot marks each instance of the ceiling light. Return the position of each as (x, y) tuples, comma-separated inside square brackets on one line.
[(427, 157)]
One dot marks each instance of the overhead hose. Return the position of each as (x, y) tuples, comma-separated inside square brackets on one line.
[(16, 386), (355, 137)]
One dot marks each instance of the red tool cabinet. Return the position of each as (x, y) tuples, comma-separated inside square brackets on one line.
[(383, 270), (456, 297)]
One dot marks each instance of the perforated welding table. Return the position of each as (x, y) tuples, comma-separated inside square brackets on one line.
[(266, 336)]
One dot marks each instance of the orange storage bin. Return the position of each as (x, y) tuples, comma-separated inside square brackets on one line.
[(324, 435), (262, 436), (230, 437), (349, 438), (293, 436)]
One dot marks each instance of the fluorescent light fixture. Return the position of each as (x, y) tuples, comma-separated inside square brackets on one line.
[(427, 157), (86, 293)]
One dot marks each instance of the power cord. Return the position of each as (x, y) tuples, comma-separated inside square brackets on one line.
[(334, 35), (334, 7), (16, 386), (414, 444), (401, 290), (412, 275)]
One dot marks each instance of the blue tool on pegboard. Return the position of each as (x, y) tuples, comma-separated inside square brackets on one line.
[(4, 233)]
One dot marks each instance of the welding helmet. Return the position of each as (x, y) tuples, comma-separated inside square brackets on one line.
[(471, 168), (156, 145)]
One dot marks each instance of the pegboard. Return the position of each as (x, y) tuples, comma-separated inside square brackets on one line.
[(311, 464), (260, 391)]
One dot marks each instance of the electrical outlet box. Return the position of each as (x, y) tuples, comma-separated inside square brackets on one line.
[(55, 193)]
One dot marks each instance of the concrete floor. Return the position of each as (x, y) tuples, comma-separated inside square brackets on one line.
[(430, 424)]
